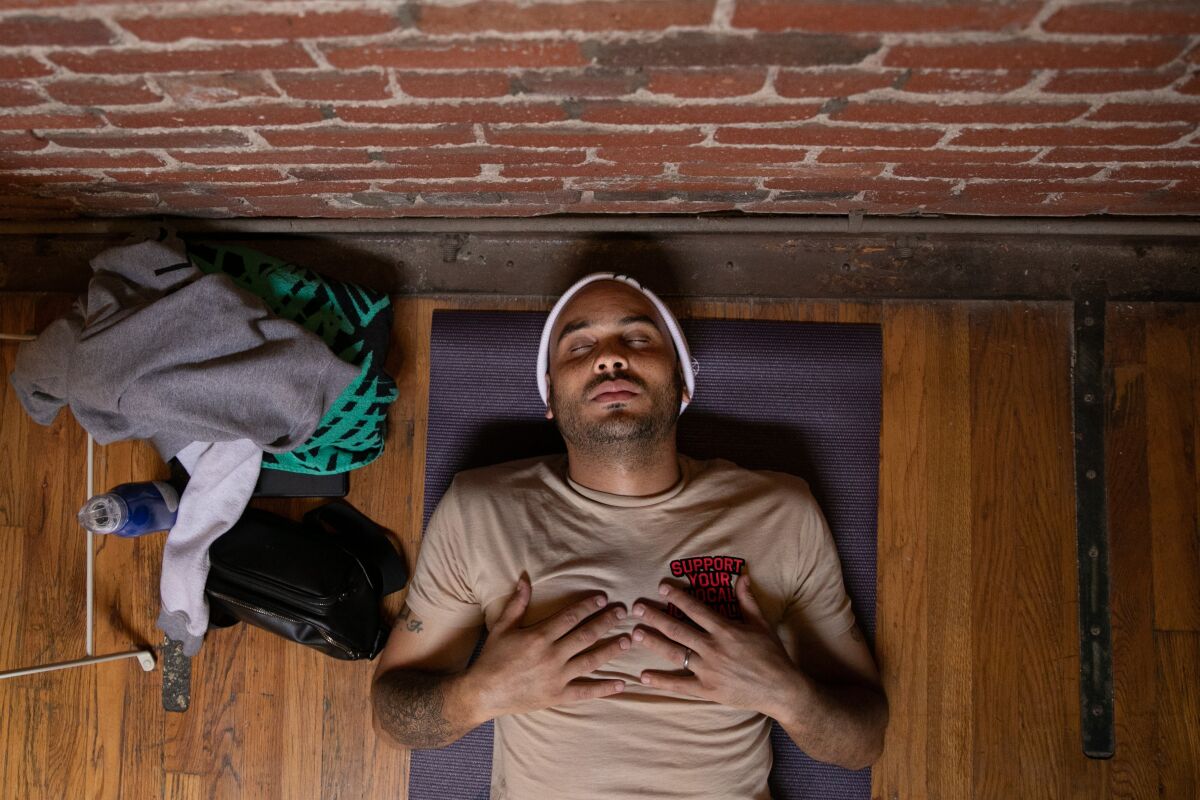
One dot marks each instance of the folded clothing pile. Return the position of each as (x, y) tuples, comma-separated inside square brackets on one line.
[(209, 372)]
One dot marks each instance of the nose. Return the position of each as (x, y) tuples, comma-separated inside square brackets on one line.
[(609, 358)]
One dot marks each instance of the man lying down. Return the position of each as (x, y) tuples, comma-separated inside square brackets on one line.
[(648, 614)]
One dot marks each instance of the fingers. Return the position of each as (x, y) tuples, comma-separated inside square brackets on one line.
[(564, 621), (680, 684), (671, 652), (514, 609), (674, 629), (584, 663), (748, 601), (587, 634), (587, 689), (701, 614)]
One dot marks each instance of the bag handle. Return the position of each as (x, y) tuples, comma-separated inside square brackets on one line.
[(365, 538)]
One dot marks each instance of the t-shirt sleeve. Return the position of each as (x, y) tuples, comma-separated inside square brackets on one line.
[(441, 590), (818, 606)]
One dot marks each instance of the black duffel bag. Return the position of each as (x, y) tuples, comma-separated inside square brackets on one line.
[(319, 582)]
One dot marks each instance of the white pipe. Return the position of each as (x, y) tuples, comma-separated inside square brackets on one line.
[(145, 660), (91, 567)]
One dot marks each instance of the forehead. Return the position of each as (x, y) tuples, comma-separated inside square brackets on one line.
[(605, 302)]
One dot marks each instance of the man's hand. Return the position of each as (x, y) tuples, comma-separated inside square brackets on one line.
[(528, 669), (742, 665)]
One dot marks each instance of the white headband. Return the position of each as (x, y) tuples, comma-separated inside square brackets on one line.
[(686, 365)]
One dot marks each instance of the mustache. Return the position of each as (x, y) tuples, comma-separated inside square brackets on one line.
[(599, 380)]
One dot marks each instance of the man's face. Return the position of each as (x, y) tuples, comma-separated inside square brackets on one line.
[(613, 374)]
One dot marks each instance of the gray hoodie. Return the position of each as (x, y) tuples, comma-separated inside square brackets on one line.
[(157, 350)]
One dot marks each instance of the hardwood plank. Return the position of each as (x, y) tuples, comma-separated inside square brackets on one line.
[(12, 563), (901, 638), (1178, 655), (24, 743), (1132, 770), (1171, 391), (946, 429), (302, 690), (16, 316)]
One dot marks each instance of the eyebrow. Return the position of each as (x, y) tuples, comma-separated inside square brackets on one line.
[(580, 324)]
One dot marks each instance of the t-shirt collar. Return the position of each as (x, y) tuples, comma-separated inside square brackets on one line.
[(629, 501)]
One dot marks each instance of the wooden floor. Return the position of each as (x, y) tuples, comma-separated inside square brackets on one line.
[(977, 603)]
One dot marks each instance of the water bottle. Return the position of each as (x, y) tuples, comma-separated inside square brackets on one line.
[(131, 509)]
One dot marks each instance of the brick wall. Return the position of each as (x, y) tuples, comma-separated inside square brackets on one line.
[(490, 107)]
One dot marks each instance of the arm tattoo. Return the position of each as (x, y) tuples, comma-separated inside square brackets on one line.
[(409, 707), (412, 621)]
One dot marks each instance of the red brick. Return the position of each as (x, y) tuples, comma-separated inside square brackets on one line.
[(1127, 19), (1158, 172), (334, 85), (207, 117), (707, 155), (368, 137), (1023, 54), (1106, 82), (994, 171), (102, 93), (775, 15), (222, 158), (184, 59), (25, 31), (1028, 190), (836, 183), (479, 54), (291, 206), (1069, 135), (706, 82), (48, 121), (636, 207), (581, 83), (830, 135), (477, 198), (667, 184), (793, 171), (302, 187), (13, 95), (39, 179), (84, 159), (941, 81), (832, 83), (583, 137), (290, 25), (1192, 86), (207, 89), (582, 171), (1147, 112), (621, 15), (455, 84), (198, 176), (1105, 155), (463, 187), (429, 113), (482, 155), (671, 114), (386, 172), (702, 49), (22, 67), (946, 113), (938, 156), (138, 141)]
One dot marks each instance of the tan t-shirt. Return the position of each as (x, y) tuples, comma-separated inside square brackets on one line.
[(496, 523)]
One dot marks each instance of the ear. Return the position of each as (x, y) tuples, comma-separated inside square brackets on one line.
[(549, 413)]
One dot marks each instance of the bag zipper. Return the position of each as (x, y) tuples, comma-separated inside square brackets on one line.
[(249, 580), (353, 654)]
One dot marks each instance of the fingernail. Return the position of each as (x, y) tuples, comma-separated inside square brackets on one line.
[(620, 613), (638, 636), (624, 644), (601, 601), (645, 679), (664, 589), (639, 610), (618, 687)]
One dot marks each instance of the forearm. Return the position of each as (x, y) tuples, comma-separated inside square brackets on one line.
[(840, 724), (424, 709)]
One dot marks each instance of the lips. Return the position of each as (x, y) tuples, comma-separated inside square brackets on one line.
[(614, 392)]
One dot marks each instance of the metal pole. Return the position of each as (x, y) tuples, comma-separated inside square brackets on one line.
[(145, 659), (91, 566)]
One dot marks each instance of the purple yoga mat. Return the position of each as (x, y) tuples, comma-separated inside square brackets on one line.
[(802, 398)]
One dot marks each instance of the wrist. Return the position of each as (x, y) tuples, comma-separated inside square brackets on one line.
[(798, 694), (475, 696)]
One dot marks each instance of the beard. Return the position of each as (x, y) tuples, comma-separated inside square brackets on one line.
[(621, 434)]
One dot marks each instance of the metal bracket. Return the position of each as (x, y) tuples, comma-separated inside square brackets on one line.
[(1091, 520)]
